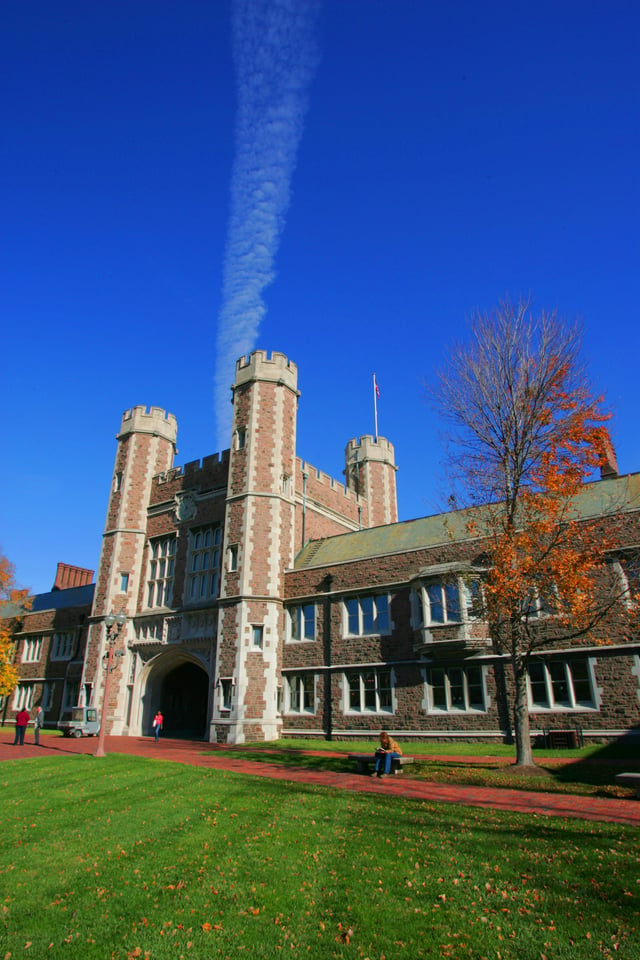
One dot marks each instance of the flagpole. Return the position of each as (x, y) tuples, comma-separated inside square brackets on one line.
[(375, 405)]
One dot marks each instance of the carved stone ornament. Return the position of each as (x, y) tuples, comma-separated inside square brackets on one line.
[(185, 507)]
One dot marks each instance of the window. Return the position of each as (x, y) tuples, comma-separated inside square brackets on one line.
[(47, 696), (161, 568), (438, 602), (367, 615), (257, 636), (203, 579), (226, 693), (301, 622), (32, 649), (540, 605), (23, 696), (300, 693), (241, 438), (62, 647), (70, 696), (560, 685), (626, 570), (369, 691), (124, 582), (455, 688), (117, 482), (233, 557)]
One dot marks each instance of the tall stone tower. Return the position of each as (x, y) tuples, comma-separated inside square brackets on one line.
[(258, 546), (371, 472), (146, 446)]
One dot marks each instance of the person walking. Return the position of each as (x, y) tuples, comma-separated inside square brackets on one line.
[(157, 725), (385, 754), (38, 722), (22, 719)]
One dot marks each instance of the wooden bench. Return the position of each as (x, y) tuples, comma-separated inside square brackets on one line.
[(366, 760), (629, 780)]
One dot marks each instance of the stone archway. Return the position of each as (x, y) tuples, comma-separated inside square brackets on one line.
[(183, 697), (179, 687)]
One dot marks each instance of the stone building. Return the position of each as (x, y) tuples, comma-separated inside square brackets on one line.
[(264, 598)]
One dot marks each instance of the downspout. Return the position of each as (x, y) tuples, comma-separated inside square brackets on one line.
[(304, 506)]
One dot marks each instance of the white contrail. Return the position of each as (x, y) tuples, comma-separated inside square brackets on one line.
[(275, 52)]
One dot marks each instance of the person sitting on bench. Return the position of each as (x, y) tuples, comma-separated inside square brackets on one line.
[(387, 752)]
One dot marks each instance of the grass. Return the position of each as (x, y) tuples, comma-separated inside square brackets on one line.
[(125, 858), (589, 771)]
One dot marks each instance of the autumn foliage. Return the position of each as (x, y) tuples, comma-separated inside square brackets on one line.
[(528, 435), (9, 595)]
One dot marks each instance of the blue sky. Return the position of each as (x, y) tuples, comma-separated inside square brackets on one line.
[(446, 155)]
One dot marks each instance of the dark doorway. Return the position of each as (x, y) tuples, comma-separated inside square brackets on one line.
[(183, 701)]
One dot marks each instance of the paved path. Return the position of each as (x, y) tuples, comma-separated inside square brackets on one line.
[(198, 753)]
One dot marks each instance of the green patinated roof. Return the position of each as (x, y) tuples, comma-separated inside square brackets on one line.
[(598, 498)]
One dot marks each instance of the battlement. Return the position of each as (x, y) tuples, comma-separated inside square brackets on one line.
[(193, 467), (318, 477), (213, 460), (152, 420), (369, 448), (276, 368)]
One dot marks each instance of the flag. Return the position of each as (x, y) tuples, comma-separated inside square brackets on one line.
[(375, 386)]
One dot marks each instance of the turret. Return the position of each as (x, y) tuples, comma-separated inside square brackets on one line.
[(258, 547), (146, 447), (371, 472)]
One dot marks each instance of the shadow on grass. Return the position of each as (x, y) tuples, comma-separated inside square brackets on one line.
[(591, 773)]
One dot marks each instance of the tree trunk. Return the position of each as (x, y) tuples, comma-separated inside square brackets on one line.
[(524, 753)]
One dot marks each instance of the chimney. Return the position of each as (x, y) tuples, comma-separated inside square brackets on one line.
[(609, 462), (68, 576)]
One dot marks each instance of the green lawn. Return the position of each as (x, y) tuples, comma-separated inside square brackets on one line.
[(124, 858)]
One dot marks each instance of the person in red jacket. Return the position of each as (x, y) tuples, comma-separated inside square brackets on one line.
[(157, 725), (22, 719)]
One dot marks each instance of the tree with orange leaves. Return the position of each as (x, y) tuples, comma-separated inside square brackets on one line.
[(12, 601), (527, 435)]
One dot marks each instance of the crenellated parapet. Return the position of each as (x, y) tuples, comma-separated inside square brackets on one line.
[(274, 367), (153, 420), (370, 448)]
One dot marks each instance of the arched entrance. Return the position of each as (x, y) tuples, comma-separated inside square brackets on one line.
[(176, 683), (183, 697)]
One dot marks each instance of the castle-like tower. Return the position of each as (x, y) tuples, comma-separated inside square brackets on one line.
[(258, 546), (371, 472), (196, 558), (146, 447)]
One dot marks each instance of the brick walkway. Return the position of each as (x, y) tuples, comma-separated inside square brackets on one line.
[(197, 753)]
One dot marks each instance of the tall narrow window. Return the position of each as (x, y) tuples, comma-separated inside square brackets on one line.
[(203, 579), (23, 697), (257, 633), (47, 695), (300, 689), (62, 647), (32, 649), (301, 622), (161, 570), (225, 693)]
